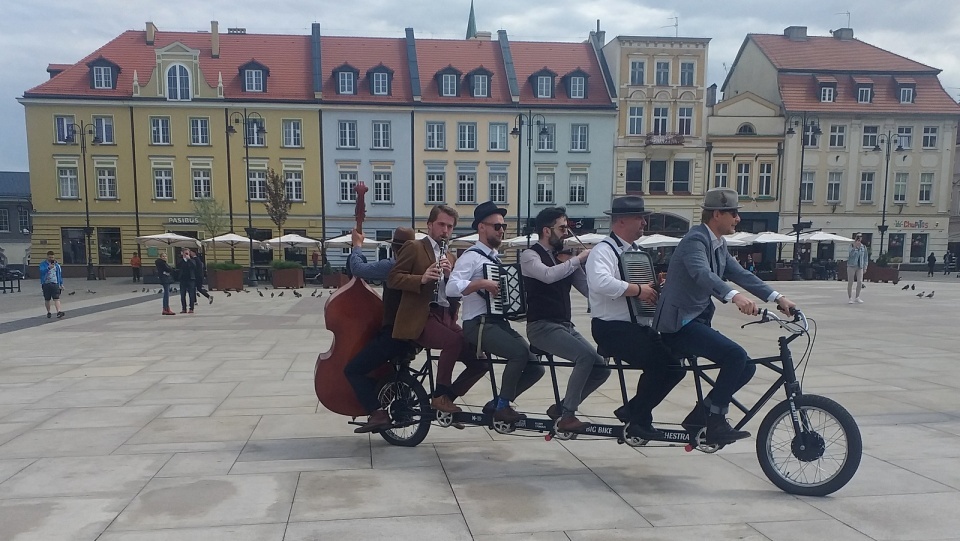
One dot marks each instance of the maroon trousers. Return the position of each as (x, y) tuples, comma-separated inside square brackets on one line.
[(441, 332)]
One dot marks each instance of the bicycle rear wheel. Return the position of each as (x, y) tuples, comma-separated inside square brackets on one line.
[(406, 400), (818, 461)]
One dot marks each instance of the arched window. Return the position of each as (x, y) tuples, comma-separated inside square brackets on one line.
[(178, 83), (746, 129)]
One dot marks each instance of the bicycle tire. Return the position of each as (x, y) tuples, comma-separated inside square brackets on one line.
[(409, 406)]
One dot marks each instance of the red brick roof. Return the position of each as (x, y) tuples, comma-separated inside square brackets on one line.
[(561, 58), (364, 53), (800, 92), (434, 55), (820, 53)]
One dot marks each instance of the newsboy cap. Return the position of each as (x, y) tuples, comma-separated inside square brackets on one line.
[(628, 205), (721, 199), (483, 210)]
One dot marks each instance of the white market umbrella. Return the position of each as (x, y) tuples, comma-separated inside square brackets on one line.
[(416, 236), (468, 240), (657, 241), (520, 242), (346, 241), (229, 239), (740, 238), (588, 239), (773, 238), (164, 240), (293, 241), (823, 236)]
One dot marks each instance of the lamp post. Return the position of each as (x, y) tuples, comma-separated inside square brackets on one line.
[(528, 119), (248, 119), (83, 131), (886, 140), (811, 129)]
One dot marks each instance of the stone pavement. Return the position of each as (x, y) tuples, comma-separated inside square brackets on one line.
[(124, 425)]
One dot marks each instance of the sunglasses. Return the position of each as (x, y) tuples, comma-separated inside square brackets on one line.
[(497, 227), (732, 212)]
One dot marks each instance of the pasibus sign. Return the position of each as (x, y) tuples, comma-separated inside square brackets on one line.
[(186, 220)]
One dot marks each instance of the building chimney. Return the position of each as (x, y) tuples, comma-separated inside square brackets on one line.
[(151, 33), (483, 35), (215, 39), (843, 34), (712, 95), (796, 33)]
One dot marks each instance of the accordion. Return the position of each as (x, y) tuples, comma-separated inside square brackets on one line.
[(637, 268), (511, 303)]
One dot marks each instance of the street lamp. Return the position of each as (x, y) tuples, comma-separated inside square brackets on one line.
[(811, 129), (250, 121), (83, 131), (886, 140), (529, 119)]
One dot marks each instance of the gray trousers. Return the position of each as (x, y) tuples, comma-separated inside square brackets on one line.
[(562, 340), (498, 338)]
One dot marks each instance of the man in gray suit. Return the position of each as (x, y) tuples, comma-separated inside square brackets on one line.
[(698, 270)]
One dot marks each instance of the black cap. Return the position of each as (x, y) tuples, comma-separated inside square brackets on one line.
[(486, 209)]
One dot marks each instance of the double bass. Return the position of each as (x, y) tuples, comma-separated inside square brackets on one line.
[(354, 314)]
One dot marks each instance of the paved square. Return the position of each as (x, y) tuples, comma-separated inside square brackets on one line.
[(117, 424)]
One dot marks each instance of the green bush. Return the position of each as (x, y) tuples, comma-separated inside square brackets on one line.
[(883, 260), (224, 265), (278, 265)]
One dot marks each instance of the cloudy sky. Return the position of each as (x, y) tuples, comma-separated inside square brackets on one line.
[(38, 32)]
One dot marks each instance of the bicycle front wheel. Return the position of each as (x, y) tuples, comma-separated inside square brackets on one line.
[(819, 460), (406, 400)]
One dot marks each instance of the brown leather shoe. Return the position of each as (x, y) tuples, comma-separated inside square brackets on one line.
[(377, 421), (444, 404), (571, 424), (553, 412), (508, 415)]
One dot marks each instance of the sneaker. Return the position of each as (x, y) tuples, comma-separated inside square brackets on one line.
[(444, 404), (49, 315), (859, 300), (210, 300), (849, 301), (60, 314)]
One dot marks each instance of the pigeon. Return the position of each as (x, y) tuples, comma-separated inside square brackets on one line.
[(143, 290), (904, 288), (72, 293), (91, 292), (245, 290), (930, 296), (314, 294), (271, 295), (920, 294), (297, 295), (259, 292), (134, 291), (913, 287), (228, 294), (280, 295)]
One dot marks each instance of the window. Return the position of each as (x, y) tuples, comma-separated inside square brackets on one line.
[(68, 182), (108, 246), (106, 183), (199, 131), (5, 220), (466, 136), (906, 94), (258, 186), (806, 186), (435, 186), (293, 183), (578, 137), (498, 137), (435, 135), (661, 118), (102, 77), (449, 84), (481, 86), (74, 245), (765, 189), (498, 187), (381, 83), (103, 129), (658, 176), (870, 134), (381, 134), (811, 137), (838, 136), (686, 74), (900, 183), (866, 187), (163, 183), (905, 133), (256, 134), (578, 188), (685, 120), (926, 188), (930, 136), (24, 219), (720, 172), (746, 129), (546, 141), (634, 182), (827, 94), (635, 120), (347, 134), (834, 183), (864, 94), (64, 128), (743, 178), (681, 176), (636, 72), (292, 133), (202, 185), (159, 130), (178, 83), (382, 187), (545, 184), (253, 80), (346, 82), (348, 181), (466, 187), (663, 73), (544, 86), (578, 87)]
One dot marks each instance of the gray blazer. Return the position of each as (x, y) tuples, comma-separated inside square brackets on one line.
[(696, 273)]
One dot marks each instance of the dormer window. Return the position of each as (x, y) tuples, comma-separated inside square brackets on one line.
[(576, 84), (865, 93), (827, 86), (906, 94), (178, 83), (544, 83), (346, 77), (103, 74), (448, 81), (480, 82), (380, 79), (827, 94), (254, 76)]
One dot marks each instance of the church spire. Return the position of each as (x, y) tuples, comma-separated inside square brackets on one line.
[(471, 24)]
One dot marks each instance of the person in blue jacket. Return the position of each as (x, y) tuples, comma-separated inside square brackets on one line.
[(51, 281)]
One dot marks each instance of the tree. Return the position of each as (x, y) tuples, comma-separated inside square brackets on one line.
[(277, 203), (211, 216)]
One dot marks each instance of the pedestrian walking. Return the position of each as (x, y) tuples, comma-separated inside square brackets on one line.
[(931, 261), (856, 266), (201, 268), (187, 271), (51, 282), (135, 267), (165, 273), (947, 261)]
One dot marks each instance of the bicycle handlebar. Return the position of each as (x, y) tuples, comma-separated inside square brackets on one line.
[(796, 325)]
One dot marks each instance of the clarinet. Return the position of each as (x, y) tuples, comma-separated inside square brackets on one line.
[(436, 287)]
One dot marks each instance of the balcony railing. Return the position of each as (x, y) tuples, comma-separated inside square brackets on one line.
[(664, 139)]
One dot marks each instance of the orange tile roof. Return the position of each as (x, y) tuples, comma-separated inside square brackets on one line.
[(465, 55), (800, 92), (530, 57), (826, 53), (364, 53)]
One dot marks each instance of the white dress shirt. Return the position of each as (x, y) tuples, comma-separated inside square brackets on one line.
[(469, 267), (441, 286), (605, 284)]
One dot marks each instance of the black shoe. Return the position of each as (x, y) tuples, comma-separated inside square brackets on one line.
[(623, 413), (644, 431), (490, 407), (695, 420), (49, 315), (553, 412), (720, 431), (60, 315)]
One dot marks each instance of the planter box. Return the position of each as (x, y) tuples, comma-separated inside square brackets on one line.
[(224, 280), (336, 279), (783, 273), (881, 274), (289, 278)]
